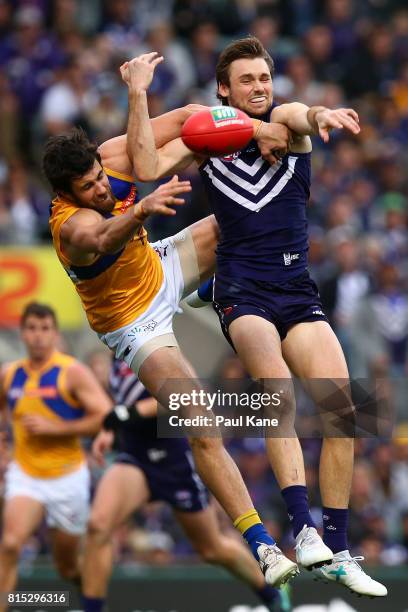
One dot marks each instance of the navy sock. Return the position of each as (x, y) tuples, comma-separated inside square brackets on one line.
[(335, 522), (297, 504), (92, 604), (268, 594), (257, 535)]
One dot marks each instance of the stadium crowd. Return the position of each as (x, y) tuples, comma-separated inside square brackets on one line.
[(59, 67)]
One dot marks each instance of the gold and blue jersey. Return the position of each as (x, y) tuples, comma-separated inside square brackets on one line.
[(43, 392), (117, 287)]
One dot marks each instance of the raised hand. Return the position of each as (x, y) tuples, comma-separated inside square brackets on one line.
[(138, 73), (339, 118), (160, 200)]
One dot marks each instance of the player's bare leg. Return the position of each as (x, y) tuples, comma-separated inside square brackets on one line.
[(203, 531), (257, 343), (122, 490), (214, 464), (21, 517), (65, 550), (326, 361)]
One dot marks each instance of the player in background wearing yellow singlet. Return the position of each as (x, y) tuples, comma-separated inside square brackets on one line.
[(130, 289), (50, 400)]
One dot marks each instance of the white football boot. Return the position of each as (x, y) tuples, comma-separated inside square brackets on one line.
[(311, 551), (345, 570), (276, 568)]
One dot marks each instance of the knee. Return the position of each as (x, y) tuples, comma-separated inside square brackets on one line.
[(211, 554), (11, 545), (99, 527)]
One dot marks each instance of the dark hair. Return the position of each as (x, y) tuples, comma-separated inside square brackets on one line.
[(244, 48), (41, 311), (67, 157)]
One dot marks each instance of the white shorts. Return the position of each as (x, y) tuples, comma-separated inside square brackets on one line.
[(65, 499), (154, 328)]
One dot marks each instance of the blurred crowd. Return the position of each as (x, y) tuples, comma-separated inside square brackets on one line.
[(59, 67)]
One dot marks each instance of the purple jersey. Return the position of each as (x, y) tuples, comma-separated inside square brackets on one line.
[(261, 212)]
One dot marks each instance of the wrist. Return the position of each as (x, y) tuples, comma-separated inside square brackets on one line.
[(257, 124), (312, 116), (140, 213), (117, 417), (137, 94)]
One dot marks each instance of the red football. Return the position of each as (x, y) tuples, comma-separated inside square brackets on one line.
[(217, 131)]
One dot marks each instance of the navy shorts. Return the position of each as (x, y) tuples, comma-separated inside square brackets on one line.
[(172, 479), (284, 304)]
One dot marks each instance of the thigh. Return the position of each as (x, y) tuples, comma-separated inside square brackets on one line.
[(258, 345), (205, 236), (22, 515), (312, 350), (122, 490), (165, 363)]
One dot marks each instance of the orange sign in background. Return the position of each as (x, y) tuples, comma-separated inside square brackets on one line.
[(35, 273)]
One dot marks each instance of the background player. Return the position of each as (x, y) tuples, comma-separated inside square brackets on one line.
[(151, 469), (131, 290), (52, 400), (268, 305)]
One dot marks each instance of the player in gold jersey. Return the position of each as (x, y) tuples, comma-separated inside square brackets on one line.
[(50, 400), (131, 289)]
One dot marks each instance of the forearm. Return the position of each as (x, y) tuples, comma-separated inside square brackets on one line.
[(85, 426), (299, 118), (167, 127), (141, 145), (115, 233)]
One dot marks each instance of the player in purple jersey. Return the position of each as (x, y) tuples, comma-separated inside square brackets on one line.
[(269, 307), (147, 469)]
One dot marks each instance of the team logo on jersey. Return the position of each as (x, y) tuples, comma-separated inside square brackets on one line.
[(289, 257), (129, 200), (231, 157)]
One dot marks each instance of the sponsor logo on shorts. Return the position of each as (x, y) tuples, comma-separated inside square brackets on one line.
[(289, 257), (161, 251), (227, 310), (142, 329), (318, 312)]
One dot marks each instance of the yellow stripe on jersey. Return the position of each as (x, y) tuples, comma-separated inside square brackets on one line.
[(116, 288), (43, 392)]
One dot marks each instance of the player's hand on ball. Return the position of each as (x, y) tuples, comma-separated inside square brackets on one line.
[(138, 73), (160, 201), (339, 118), (101, 445), (273, 141)]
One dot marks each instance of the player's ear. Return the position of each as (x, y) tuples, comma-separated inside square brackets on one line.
[(223, 90)]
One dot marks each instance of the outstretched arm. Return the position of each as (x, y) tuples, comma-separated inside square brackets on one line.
[(305, 121)]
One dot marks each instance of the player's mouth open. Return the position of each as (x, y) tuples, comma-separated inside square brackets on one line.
[(258, 99)]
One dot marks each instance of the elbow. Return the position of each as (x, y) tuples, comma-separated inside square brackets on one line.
[(147, 175)]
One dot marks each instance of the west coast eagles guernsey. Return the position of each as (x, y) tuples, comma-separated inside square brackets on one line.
[(43, 392), (115, 288)]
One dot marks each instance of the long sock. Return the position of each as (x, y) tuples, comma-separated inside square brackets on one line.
[(253, 531), (297, 504), (335, 522), (268, 594), (93, 604)]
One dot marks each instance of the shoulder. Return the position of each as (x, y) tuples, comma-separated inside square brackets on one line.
[(77, 373), (83, 217)]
